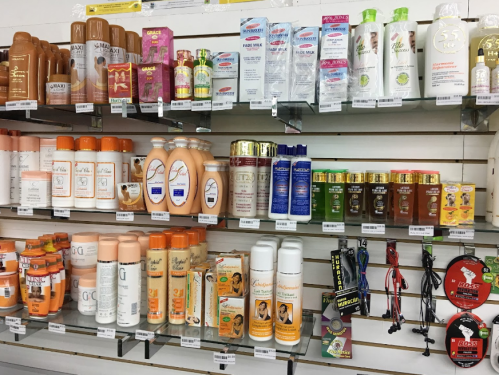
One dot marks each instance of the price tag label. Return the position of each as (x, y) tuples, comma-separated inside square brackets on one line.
[(149, 107), (181, 105), (285, 225), (2, 108), (207, 219), (328, 227), (202, 105), (249, 223), (461, 234), (222, 105), (450, 100), (62, 212), (190, 342), (143, 335), (261, 104), (373, 228), (389, 101), (12, 321), (20, 330), (24, 211), (106, 333), (124, 216), (224, 359), (421, 230), (57, 328), (117, 108), (364, 103), (160, 216), (483, 99), (87, 107), (21, 105), (11, 106), (330, 107), (265, 353)]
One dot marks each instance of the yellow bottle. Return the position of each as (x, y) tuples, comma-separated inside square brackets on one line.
[(179, 262), (156, 278)]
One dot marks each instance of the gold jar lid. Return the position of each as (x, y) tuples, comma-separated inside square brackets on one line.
[(335, 177), (319, 175), (266, 149), (429, 178), (232, 148), (244, 147), (374, 177), (393, 176), (404, 178), (355, 177)]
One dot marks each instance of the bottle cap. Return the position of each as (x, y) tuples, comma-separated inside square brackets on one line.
[(293, 238), (87, 143), (88, 280), (132, 42), (180, 141), (29, 143), (355, 177), (5, 143), (269, 242), (336, 177), (37, 263), (62, 237), (129, 252), (480, 58), (85, 237), (33, 245), (7, 246), (22, 36), (55, 49), (52, 263), (16, 133), (400, 14), (374, 177), (207, 145), (158, 142), (282, 149), (202, 233), (15, 143), (127, 237), (301, 150), (65, 143), (405, 178), (144, 244), (203, 53), (245, 148), (183, 54), (78, 33), (118, 36), (65, 52), (46, 48), (289, 260), (180, 241), (429, 178), (126, 145), (136, 232), (157, 241), (36, 42), (48, 142), (177, 229), (99, 144), (108, 250), (109, 144), (194, 142), (262, 257), (82, 271), (369, 15), (446, 10), (290, 151), (488, 21), (266, 149), (97, 29), (272, 237), (60, 78), (168, 234), (193, 237), (290, 242)]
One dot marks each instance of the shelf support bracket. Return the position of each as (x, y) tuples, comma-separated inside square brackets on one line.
[(96, 120), (292, 364), (31, 328), (126, 344), (228, 349)]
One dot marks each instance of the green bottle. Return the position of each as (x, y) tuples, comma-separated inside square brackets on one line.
[(318, 194), (203, 75), (335, 195)]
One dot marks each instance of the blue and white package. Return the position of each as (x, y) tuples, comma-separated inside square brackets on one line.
[(333, 80), (225, 64), (300, 197), (279, 58), (225, 89), (304, 67), (335, 37), (279, 184)]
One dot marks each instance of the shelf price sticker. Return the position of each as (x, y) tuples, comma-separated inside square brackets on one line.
[(124, 216), (389, 101), (328, 227), (461, 234), (483, 99), (265, 353), (190, 342), (222, 105), (57, 328), (288, 225), (421, 230), (201, 105), (330, 107), (373, 228), (181, 105), (12, 321), (449, 100), (249, 223), (261, 104), (62, 212), (364, 103), (19, 329), (224, 358), (87, 107), (143, 335), (106, 333), (207, 219), (160, 215), (149, 107), (2, 108), (118, 108), (21, 105), (24, 211)]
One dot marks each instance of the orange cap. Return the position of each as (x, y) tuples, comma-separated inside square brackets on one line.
[(109, 144), (65, 143), (108, 250), (77, 144), (86, 237), (129, 252), (180, 241), (98, 144), (144, 244), (5, 143), (78, 32), (7, 246), (52, 262), (87, 143), (4, 131), (37, 263), (16, 133), (126, 145), (168, 234), (202, 233), (193, 237), (127, 237), (15, 143), (177, 229), (157, 241), (136, 232), (60, 264), (112, 236), (48, 142), (29, 143), (88, 280), (33, 245)]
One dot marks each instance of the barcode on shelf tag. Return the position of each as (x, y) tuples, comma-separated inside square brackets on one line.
[(181, 105), (28, 104), (190, 342), (224, 359), (160, 216), (167, 107), (117, 108), (389, 101), (124, 216), (285, 225), (88, 107), (11, 106), (62, 212), (222, 105), (330, 107), (19, 329), (143, 335), (202, 105), (421, 230), (12, 321), (364, 103), (266, 353), (2, 108), (106, 333), (373, 228), (149, 107), (482, 99), (461, 234), (333, 227), (249, 223), (207, 219), (450, 100), (261, 104), (57, 328), (25, 211)]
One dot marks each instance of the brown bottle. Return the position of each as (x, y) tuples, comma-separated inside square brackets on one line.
[(355, 190), (98, 56), (430, 194), (377, 196), (77, 64), (132, 47), (403, 197), (23, 57), (118, 44), (41, 69), (50, 59), (66, 55), (59, 62)]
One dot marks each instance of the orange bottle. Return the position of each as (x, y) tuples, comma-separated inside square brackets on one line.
[(198, 159), (212, 188), (155, 180), (66, 56), (41, 70), (195, 247), (33, 249), (55, 284), (179, 262), (59, 62), (62, 272), (63, 241), (38, 288), (23, 83), (50, 63)]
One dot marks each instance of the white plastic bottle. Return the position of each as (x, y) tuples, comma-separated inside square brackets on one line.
[(5, 152), (128, 283), (300, 197), (63, 164), (266, 151), (480, 76), (47, 148), (126, 149), (107, 281), (288, 297), (14, 170), (261, 292), (29, 156), (279, 185), (109, 166), (85, 170), (401, 57), (447, 45), (296, 243), (494, 79)]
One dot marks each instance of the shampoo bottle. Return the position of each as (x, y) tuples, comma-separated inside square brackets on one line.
[(77, 64), (63, 173), (300, 197), (85, 167), (109, 163), (128, 283), (157, 260), (198, 159), (155, 179), (107, 281), (23, 57), (279, 185), (480, 76), (178, 264)]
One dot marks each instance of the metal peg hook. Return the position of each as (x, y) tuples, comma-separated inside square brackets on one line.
[(342, 243), (362, 242), (469, 249)]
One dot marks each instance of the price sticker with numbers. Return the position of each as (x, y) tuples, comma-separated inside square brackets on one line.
[(333, 227), (190, 342), (330, 107), (421, 230), (261, 104), (449, 100), (285, 225), (85, 107), (224, 358), (149, 107), (373, 228), (106, 333), (12, 321), (2, 108), (249, 223), (57, 328), (222, 105), (25, 211), (389, 101), (19, 329), (207, 219), (181, 105), (363, 103), (461, 233), (201, 105), (62, 212), (143, 335), (484, 99), (160, 216), (118, 108), (266, 353), (124, 216)]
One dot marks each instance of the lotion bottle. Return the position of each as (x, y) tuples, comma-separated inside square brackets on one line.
[(15, 176), (155, 179), (244, 173), (300, 197), (29, 156), (63, 164), (126, 149), (23, 57), (178, 264), (5, 153), (198, 159), (107, 281), (480, 76), (109, 163), (202, 242), (279, 185), (128, 283), (85, 171), (41, 71), (144, 246), (195, 247), (50, 63), (78, 64), (211, 189), (157, 260), (494, 85)]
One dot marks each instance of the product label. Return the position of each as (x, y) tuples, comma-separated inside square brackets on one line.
[(280, 186), (128, 292), (118, 55), (58, 93), (106, 180), (38, 294), (202, 81), (333, 80), (87, 300), (8, 291), (366, 73), (355, 200), (261, 307), (404, 203), (78, 71), (288, 309), (183, 78), (35, 194), (403, 79), (480, 81), (97, 60), (211, 193), (84, 254), (19, 76), (84, 179), (61, 178), (225, 92), (336, 202), (301, 176), (335, 32), (304, 70), (179, 183), (225, 65), (278, 67), (263, 185), (106, 289), (156, 181), (45, 158), (245, 185)]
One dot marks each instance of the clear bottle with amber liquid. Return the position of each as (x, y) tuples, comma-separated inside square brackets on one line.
[(183, 68), (403, 197), (429, 197), (354, 196)]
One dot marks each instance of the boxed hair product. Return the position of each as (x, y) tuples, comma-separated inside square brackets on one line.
[(137, 168), (253, 44), (210, 299), (336, 329), (233, 317), (335, 37), (230, 275), (304, 68), (450, 203), (195, 297), (333, 80), (225, 64), (225, 89), (131, 196), (123, 83), (279, 58), (154, 82), (157, 46), (467, 203)]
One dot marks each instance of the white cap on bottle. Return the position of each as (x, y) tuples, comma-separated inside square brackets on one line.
[(446, 10), (269, 242), (295, 245), (262, 258), (271, 236), (289, 260)]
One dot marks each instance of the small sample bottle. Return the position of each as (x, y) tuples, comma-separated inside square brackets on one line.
[(178, 264), (211, 188), (85, 167), (244, 175), (155, 179), (183, 69), (495, 77), (29, 156), (55, 284), (126, 149), (403, 197), (261, 301), (430, 195), (198, 157), (38, 288), (87, 294), (63, 173), (195, 247), (203, 75), (23, 59), (157, 261), (480, 76), (109, 165), (300, 197), (78, 67), (202, 242), (265, 151), (107, 281), (128, 284), (355, 192), (319, 194), (377, 196), (5, 153), (335, 195), (15, 176)]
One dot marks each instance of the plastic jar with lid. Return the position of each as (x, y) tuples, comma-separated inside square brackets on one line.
[(63, 173), (85, 168), (9, 263), (109, 167), (5, 152), (59, 89), (76, 274), (9, 285), (87, 294), (84, 248)]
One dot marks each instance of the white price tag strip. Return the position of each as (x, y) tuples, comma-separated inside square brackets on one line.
[(190, 342), (124, 216), (364, 103), (2, 108), (181, 105), (483, 99), (222, 105), (57, 328), (106, 333), (20, 330), (25, 211), (450, 100), (266, 353), (202, 105), (224, 359), (21, 105), (149, 107), (207, 219), (330, 107), (117, 108), (261, 104), (389, 101), (62, 212), (328, 227), (421, 230), (285, 225), (461, 234), (160, 216), (249, 223), (87, 107), (12, 321), (143, 335), (373, 228)]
